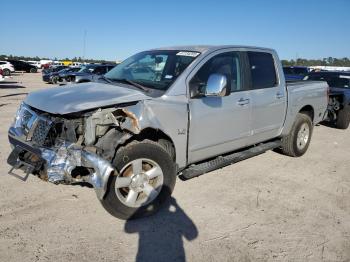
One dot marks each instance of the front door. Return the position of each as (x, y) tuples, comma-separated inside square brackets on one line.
[(218, 124)]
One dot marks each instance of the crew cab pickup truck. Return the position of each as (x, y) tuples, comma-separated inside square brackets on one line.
[(161, 113)]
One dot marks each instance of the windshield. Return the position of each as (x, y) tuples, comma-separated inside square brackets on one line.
[(342, 81), (153, 69), (87, 69)]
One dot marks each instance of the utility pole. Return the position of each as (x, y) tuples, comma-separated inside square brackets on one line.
[(84, 45)]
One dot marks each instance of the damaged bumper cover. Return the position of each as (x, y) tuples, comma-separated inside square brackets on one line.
[(57, 163)]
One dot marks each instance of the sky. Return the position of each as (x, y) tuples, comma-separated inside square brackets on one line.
[(116, 29)]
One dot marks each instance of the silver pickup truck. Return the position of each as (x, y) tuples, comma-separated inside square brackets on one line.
[(161, 113)]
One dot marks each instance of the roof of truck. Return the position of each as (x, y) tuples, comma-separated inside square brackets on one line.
[(206, 48)]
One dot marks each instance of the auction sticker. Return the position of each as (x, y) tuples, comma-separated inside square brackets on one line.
[(185, 53)]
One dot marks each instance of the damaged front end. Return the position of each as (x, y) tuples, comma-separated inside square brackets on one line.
[(70, 149)]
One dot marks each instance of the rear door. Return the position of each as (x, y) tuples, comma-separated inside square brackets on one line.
[(268, 96)]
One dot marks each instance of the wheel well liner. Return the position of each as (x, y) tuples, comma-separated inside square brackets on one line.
[(308, 110)]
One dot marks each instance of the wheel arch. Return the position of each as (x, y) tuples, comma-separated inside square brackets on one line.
[(156, 135), (308, 110)]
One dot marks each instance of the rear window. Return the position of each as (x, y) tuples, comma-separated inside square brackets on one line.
[(262, 69)]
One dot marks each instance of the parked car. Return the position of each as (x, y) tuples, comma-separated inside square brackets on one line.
[(45, 63), (75, 64), (339, 96), (57, 75), (1, 75), (295, 73), (35, 63), (7, 68), (87, 73), (132, 134), (48, 73), (23, 66)]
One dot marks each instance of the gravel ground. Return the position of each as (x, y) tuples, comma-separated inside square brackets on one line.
[(268, 208)]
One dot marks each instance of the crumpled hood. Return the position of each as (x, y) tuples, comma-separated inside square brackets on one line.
[(81, 97)]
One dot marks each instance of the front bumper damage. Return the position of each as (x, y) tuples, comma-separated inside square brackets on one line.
[(56, 164), (85, 147), (86, 160)]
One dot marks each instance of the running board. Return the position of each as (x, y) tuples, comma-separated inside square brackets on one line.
[(222, 161)]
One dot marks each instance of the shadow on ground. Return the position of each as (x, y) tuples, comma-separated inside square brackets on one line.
[(10, 85), (161, 236)]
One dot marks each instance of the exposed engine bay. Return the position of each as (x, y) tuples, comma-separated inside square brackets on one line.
[(73, 148)]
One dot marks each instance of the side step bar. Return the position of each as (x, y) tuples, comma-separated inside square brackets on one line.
[(222, 161)]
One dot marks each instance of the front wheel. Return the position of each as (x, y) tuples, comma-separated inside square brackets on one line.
[(146, 179), (54, 80), (297, 141), (33, 70)]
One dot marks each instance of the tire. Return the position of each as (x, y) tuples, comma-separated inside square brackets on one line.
[(296, 143), (343, 119), (33, 70), (54, 80), (153, 156), (6, 72)]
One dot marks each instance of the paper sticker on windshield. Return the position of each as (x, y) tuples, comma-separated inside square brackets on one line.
[(168, 77), (191, 54), (347, 77)]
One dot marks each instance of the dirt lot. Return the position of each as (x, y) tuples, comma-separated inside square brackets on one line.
[(268, 208)]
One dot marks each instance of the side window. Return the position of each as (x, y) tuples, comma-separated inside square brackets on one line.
[(227, 64), (263, 71), (100, 70)]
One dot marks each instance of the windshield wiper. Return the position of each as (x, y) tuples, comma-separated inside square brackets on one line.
[(130, 82)]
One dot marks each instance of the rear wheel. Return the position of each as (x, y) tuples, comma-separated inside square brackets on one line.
[(6, 72), (146, 179), (297, 141), (343, 119), (33, 70)]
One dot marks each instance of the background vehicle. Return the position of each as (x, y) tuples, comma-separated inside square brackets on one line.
[(1, 75), (88, 73), (56, 76), (48, 73), (75, 64), (339, 96), (295, 73), (7, 68), (45, 63), (153, 119), (57, 63), (35, 63), (23, 66)]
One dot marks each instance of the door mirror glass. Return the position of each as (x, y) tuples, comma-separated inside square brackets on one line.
[(216, 85)]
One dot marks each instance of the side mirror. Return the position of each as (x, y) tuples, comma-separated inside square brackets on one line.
[(216, 85)]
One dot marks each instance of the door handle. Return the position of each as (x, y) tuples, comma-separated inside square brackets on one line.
[(243, 101), (279, 95)]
